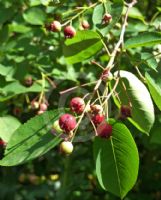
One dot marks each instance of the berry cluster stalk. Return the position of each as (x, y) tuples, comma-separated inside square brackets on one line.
[(110, 64)]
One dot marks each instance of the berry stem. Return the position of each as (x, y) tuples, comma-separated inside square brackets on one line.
[(105, 46), (77, 15), (43, 88), (105, 7), (94, 127), (74, 88)]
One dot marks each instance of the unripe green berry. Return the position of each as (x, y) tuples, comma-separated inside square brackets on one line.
[(56, 128), (66, 147)]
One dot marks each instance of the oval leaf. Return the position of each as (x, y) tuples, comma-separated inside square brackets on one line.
[(31, 140), (117, 161), (8, 124), (143, 39), (135, 13), (144, 60), (153, 81), (15, 88), (84, 45), (131, 89), (34, 16)]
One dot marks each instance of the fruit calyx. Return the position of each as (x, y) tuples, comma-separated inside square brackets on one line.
[(125, 111), (96, 108), (106, 75), (107, 18), (85, 25)]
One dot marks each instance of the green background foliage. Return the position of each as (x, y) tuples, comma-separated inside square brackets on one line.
[(28, 49)]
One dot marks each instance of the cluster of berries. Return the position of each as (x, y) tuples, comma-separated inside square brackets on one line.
[(42, 107), (69, 31), (67, 122)]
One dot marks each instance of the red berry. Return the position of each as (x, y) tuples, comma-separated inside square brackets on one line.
[(55, 26), (106, 18), (43, 107), (67, 122), (125, 111), (85, 24), (77, 105), (98, 119), (104, 130), (69, 32), (2, 143)]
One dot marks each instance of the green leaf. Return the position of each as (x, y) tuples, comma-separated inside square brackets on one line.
[(84, 45), (35, 2), (117, 161), (5, 70), (6, 14), (31, 140), (8, 124), (149, 60), (19, 28), (115, 9), (16, 88), (46, 2), (156, 135), (145, 59), (34, 16), (159, 9), (4, 34), (143, 39), (154, 84), (131, 90), (135, 14)]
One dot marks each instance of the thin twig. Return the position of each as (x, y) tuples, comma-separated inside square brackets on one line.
[(74, 88)]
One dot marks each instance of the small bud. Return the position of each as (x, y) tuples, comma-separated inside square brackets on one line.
[(28, 81), (17, 111), (85, 24), (106, 75), (125, 111), (96, 108), (34, 104), (40, 112), (55, 26), (107, 18)]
